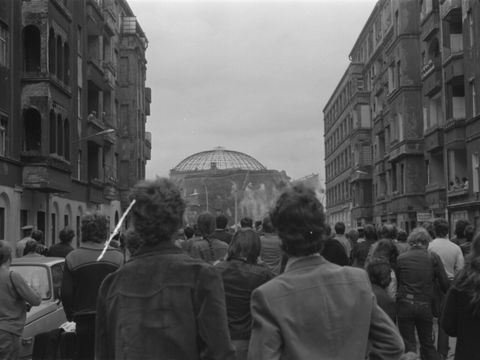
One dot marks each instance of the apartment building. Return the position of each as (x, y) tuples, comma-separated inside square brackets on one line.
[(61, 147)]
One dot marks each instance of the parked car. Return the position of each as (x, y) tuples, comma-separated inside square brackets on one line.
[(44, 274)]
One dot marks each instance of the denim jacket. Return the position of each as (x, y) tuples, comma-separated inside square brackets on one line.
[(163, 304)]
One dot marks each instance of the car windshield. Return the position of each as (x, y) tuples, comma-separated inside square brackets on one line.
[(36, 277)]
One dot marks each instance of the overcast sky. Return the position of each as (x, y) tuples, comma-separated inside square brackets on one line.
[(249, 76)]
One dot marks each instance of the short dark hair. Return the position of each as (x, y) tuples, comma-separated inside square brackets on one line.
[(206, 224), (30, 247), (267, 225), (386, 248), (460, 226), (379, 272), (245, 245), (402, 236), (37, 235), (158, 210), (66, 235), (340, 228), (469, 232), (300, 221), (441, 227), (221, 221), (5, 252), (246, 222), (353, 235), (388, 231), (427, 225), (95, 227), (370, 233), (189, 232)]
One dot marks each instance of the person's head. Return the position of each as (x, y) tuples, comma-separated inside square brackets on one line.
[(464, 179), (328, 230), (267, 225), (30, 247), (5, 253), (379, 272), (370, 233), (460, 226), (221, 221), (158, 210), (37, 235), (427, 225), (441, 228), (188, 232), (245, 245), (419, 237), (340, 228), (352, 235), (27, 230), (469, 232), (402, 236), (66, 235), (299, 219), (388, 231), (95, 227), (386, 248), (133, 241), (246, 222), (361, 232), (206, 224)]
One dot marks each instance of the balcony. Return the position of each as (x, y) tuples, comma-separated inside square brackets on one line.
[(453, 68), (95, 72), (455, 134), (110, 23), (457, 193), (431, 77), (95, 191), (430, 25), (433, 139), (109, 74), (451, 9), (406, 149), (45, 173)]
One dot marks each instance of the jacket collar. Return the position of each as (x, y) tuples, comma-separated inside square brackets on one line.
[(165, 247), (314, 260)]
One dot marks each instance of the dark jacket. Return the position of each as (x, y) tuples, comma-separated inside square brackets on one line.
[(416, 272), (239, 280), (82, 276), (385, 301), (60, 250), (459, 320), (163, 304), (334, 252), (223, 235)]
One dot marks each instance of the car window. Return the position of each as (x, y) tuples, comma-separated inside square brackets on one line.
[(57, 275), (36, 277)]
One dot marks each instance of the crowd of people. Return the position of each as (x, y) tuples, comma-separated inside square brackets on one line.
[(287, 287)]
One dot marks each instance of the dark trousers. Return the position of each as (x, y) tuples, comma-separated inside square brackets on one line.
[(417, 315), (9, 346), (85, 329)]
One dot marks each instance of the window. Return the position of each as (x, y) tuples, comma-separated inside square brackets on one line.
[(51, 52), (79, 102), (2, 223), (79, 165), (471, 30), (3, 135), (476, 172), (33, 130), (31, 48), (473, 98), (3, 45)]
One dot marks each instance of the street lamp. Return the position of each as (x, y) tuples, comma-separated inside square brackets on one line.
[(103, 132)]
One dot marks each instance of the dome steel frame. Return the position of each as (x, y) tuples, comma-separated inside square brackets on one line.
[(218, 159)]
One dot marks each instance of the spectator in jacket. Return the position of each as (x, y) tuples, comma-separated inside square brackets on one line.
[(460, 226), (32, 248), (221, 232), (271, 252), (241, 274), (82, 276), (387, 250), (37, 235), (246, 222), (466, 246), (163, 304), (316, 309), (15, 294), (416, 273), (361, 249), (342, 239), (461, 314), (65, 246), (207, 247), (379, 272), (401, 243)]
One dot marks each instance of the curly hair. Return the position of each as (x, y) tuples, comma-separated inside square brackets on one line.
[(460, 226), (441, 227), (95, 227), (66, 235), (419, 237), (386, 249), (379, 272), (158, 211), (388, 231), (245, 245), (267, 225), (299, 219)]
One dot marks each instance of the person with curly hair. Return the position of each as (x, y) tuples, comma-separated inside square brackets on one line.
[(241, 274), (63, 248), (162, 304), (379, 272), (316, 309), (461, 313), (208, 247), (82, 276)]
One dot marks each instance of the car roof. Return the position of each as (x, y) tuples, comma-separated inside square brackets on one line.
[(37, 260)]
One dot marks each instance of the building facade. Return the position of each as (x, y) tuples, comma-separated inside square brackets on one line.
[(61, 147), (420, 61)]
